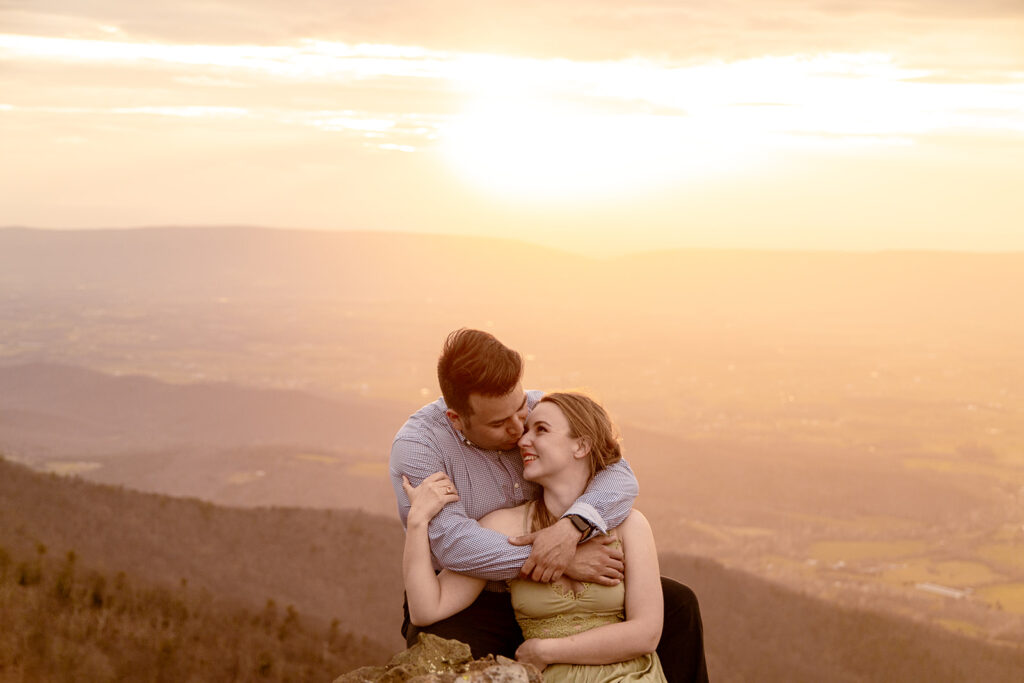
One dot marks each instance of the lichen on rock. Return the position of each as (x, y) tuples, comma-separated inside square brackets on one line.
[(437, 660)]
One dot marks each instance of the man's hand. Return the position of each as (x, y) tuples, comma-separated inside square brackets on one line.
[(597, 561), (553, 550)]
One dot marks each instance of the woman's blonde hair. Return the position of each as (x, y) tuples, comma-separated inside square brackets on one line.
[(588, 421)]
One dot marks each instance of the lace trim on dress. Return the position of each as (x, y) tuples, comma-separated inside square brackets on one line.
[(563, 591), (561, 625)]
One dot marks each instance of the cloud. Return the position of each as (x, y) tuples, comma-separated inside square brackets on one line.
[(932, 32), (262, 110), (836, 93)]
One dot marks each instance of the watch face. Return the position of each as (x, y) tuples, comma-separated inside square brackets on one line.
[(580, 523)]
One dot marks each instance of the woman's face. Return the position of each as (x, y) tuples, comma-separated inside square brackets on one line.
[(547, 447)]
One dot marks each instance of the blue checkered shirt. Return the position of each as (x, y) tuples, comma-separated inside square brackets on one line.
[(486, 481)]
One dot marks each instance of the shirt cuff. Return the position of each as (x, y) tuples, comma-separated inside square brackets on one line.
[(587, 512)]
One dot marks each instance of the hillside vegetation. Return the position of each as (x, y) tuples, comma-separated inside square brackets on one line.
[(326, 564), (60, 621), (167, 587)]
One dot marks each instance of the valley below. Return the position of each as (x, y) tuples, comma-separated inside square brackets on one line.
[(847, 428)]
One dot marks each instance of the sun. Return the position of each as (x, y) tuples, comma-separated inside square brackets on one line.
[(543, 150)]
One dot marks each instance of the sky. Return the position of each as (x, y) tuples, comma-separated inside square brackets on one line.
[(599, 126)]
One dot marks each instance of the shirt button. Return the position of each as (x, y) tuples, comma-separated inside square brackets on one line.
[(517, 485)]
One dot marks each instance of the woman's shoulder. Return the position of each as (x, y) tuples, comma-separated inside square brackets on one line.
[(508, 521), (635, 523)]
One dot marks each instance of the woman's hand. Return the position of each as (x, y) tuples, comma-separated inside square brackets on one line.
[(532, 651), (429, 497)]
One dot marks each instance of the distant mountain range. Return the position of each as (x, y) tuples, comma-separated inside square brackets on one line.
[(225, 443), (100, 414), (234, 264)]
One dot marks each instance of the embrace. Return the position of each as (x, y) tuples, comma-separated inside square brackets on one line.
[(521, 539)]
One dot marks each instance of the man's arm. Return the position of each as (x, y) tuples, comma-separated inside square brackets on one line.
[(458, 542), (608, 500)]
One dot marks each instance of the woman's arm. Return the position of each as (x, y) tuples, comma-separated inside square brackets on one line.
[(457, 540), (431, 597), (638, 634)]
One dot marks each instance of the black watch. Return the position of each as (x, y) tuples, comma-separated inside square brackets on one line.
[(582, 525)]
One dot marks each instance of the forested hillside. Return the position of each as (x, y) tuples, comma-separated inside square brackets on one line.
[(61, 621), (167, 587), (327, 564)]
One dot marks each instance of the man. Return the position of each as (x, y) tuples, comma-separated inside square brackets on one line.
[(471, 434)]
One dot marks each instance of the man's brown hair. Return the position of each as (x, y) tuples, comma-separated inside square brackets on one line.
[(475, 362)]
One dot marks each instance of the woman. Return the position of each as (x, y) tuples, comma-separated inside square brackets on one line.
[(574, 632)]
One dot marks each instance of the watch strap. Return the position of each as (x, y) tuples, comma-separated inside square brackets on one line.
[(582, 525)]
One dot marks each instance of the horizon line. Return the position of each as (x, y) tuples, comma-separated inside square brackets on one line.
[(645, 251)]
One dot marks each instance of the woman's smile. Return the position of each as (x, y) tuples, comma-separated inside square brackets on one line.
[(548, 439)]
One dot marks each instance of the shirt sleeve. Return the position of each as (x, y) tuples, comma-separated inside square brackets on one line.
[(609, 498), (457, 541)]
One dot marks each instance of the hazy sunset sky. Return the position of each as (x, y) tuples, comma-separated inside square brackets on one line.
[(596, 125)]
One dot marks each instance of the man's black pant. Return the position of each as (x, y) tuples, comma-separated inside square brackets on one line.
[(489, 626)]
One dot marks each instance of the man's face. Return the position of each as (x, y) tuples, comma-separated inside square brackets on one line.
[(497, 421)]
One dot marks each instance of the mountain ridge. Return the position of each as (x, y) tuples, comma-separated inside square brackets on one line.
[(400, 234), (129, 410)]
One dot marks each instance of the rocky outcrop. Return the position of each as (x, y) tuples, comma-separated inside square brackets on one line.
[(436, 660)]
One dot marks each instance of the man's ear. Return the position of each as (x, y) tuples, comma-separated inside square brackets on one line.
[(582, 447), (454, 418)]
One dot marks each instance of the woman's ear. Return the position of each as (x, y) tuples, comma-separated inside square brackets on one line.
[(582, 447)]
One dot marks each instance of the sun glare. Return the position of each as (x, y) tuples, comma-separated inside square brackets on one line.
[(540, 130), (532, 148), (560, 131)]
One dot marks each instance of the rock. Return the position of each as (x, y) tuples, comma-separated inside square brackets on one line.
[(432, 654), (363, 674), (437, 660)]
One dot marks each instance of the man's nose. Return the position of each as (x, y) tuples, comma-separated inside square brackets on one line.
[(516, 426)]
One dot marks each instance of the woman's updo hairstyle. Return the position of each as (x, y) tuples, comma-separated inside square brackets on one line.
[(589, 421)]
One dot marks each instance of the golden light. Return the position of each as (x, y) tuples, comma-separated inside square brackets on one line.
[(545, 131), (558, 131), (541, 150)]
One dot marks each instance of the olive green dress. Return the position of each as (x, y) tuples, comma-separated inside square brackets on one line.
[(549, 610)]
